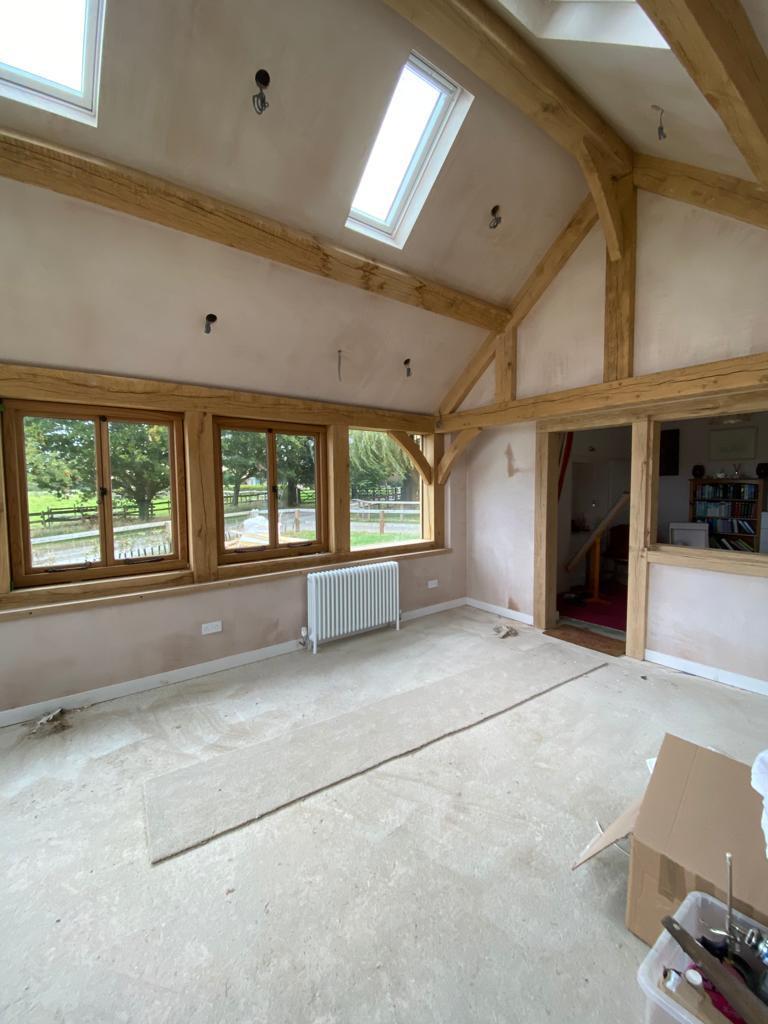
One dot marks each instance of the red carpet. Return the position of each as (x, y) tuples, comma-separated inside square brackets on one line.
[(612, 614)]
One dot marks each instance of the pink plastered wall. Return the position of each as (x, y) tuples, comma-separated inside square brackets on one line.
[(54, 655)]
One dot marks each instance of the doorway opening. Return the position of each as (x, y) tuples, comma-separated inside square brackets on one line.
[(593, 537)]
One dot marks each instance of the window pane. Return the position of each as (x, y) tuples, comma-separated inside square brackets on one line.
[(385, 492), (45, 38), (405, 124), (142, 497), (244, 487), (296, 489), (62, 492)]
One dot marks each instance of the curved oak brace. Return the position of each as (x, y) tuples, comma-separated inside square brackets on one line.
[(459, 443), (603, 189), (414, 453)]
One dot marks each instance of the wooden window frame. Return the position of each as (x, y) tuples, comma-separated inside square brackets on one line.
[(273, 551), (23, 573)]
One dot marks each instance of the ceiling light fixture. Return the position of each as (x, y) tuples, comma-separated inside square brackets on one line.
[(259, 98), (495, 220), (660, 130), (210, 320)]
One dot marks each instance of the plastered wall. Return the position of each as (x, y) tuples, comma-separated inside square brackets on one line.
[(500, 486), (701, 296), (67, 652)]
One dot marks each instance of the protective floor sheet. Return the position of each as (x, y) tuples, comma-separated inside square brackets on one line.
[(191, 805)]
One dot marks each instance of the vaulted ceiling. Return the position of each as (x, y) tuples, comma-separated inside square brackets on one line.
[(176, 101)]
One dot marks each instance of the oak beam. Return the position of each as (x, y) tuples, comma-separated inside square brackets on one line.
[(499, 55), (619, 341), (201, 496), (414, 453), (716, 44), (433, 503), (633, 394), (642, 530), (545, 530), (457, 446), (710, 190), (604, 192), (338, 480), (42, 384), (174, 206), (506, 366)]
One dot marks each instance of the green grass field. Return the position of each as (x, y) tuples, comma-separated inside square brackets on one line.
[(39, 501)]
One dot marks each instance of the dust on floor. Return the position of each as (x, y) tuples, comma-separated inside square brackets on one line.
[(436, 888)]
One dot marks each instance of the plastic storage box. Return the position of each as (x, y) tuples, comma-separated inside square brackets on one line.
[(697, 914)]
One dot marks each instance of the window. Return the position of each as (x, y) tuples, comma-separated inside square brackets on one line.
[(713, 481), (50, 54), (423, 118), (271, 490), (385, 492), (93, 493)]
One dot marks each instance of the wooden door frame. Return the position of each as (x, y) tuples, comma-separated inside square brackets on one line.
[(643, 503)]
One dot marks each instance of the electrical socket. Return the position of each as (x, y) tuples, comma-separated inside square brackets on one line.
[(433, 584), (211, 627)]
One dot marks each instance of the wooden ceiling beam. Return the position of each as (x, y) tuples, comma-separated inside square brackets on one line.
[(175, 206), (43, 384), (491, 48), (720, 193), (740, 375), (716, 44)]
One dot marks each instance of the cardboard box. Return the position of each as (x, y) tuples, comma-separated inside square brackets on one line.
[(699, 804)]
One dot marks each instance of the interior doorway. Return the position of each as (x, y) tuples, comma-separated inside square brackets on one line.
[(593, 536)]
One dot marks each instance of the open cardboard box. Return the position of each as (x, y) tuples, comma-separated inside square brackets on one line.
[(698, 805)]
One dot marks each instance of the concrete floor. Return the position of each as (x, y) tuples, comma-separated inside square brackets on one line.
[(434, 890)]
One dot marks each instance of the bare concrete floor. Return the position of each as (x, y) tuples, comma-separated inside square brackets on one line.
[(434, 890)]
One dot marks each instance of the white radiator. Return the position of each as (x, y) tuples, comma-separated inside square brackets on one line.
[(345, 601)]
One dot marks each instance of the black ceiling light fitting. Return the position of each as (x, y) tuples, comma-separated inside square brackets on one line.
[(210, 320), (660, 130), (407, 365), (259, 97), (495, 220)]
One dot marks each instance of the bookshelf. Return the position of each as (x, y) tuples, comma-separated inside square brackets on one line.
[(731, 506)]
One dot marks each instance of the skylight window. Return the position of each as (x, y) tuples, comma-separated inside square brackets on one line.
[(50, 54), (422, 120)]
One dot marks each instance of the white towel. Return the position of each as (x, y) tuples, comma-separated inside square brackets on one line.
[(760, 783)]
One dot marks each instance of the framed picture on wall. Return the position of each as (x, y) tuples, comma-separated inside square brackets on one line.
[(732, 444)]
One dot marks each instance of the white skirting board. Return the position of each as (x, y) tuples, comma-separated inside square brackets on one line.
[(497, 609), (31, 712), (718, 675)]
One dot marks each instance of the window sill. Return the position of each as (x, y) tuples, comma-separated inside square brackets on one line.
[(25, 603), (738, 563)]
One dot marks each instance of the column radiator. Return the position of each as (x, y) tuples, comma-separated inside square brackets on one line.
[(345, 601)]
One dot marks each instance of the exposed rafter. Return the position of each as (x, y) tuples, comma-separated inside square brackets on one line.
[(726, 376), (488, 45), (720, 193), (414, 453), (457, 446), (715, 42), (496, 345), (174, 206)]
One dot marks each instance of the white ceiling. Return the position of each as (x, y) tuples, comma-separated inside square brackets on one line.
[(591, 47), (176, 100)]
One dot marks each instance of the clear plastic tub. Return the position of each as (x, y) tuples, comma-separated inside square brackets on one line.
[(698, 913)]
